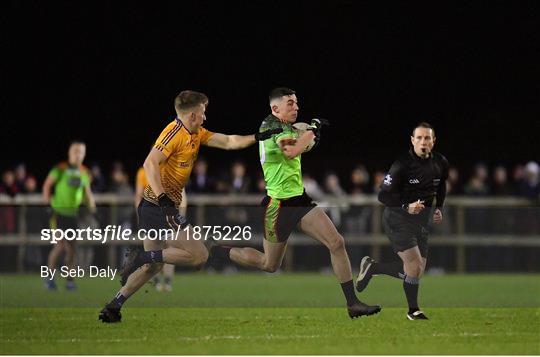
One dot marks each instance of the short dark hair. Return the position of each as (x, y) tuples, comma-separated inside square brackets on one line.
[(279, 92), (189, 99), (423, 124), (76, 142)]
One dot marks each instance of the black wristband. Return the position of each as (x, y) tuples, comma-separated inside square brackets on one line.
[(405, 207)]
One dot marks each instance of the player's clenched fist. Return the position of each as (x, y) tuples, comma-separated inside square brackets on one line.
[(169, 210)]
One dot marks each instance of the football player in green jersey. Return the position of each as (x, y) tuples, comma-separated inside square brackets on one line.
[(71, 182), (288, 206)]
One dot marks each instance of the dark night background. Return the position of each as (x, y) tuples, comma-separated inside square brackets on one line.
[(108, 74)]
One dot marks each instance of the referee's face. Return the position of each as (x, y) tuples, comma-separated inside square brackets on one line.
[(287, 108), (423, 141)]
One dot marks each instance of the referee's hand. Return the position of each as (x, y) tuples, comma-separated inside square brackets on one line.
[(437, 216), (169, 210), (416, 207)]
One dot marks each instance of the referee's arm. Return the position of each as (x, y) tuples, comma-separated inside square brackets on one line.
[(441, 190), (390, 193)]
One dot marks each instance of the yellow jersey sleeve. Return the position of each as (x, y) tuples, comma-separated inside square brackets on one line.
[(205, 135)]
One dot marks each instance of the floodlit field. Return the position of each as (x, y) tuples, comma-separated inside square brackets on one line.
[(273, 314)]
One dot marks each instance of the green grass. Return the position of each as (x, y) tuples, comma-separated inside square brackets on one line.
[(265, 314)]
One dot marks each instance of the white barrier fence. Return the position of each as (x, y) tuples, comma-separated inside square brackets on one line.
[(375, 239)]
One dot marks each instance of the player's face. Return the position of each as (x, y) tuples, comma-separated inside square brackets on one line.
[(287, 108), (423, 141), (76, 154), (198, 117)]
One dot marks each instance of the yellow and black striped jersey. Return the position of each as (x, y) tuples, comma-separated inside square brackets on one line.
[(181, 149)]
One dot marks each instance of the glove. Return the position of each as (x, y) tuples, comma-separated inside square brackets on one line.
[(267, 134), (169, 210), (316, 126)]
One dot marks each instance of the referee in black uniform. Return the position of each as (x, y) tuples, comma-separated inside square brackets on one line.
[(413, 192)]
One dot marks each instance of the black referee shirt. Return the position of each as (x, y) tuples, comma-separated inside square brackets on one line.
[(412, 178)]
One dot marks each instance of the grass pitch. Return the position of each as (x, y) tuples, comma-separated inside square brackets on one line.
[(273, 314)]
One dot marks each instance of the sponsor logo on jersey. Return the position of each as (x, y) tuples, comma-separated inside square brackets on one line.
[(414, 181), (387, 180)]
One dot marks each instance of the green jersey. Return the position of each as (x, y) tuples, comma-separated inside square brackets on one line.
[(283, 176), (69, 186)]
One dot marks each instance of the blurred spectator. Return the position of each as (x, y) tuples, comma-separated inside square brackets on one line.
[(260, 183), (239, 182), (20, 176), (378, 178), (200, 182), (477, 220), (518, 177), (312, 187), (8, 185), (501, 186), (359, 180), (7, 212), (30, 185), (477, 185), (332, 185), (530, 186), (98, 184), (452, 184), (120, 186)]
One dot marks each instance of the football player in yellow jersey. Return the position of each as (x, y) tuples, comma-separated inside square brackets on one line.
[(168, 167), (163, 280)]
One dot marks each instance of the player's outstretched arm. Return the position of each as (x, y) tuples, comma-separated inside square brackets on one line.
[(237, 142), (291, 148)]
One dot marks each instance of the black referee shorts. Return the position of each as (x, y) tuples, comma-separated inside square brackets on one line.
[(404, 234)]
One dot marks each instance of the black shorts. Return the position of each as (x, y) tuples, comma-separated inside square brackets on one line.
[(151, 217), (59, 221), (282, 215), (405, 234)]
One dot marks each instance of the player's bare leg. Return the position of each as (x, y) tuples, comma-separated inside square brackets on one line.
[(317, 225), (269, 261), (413, 265), (164, 279), (141, 276), (55, 253), (185, 251), (181, 250), (52, 260), (69, 261)]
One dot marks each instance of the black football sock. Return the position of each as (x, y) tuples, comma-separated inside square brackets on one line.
[(394, 269), (410, 286), (153, 256), (118, 301), (348, 291)]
